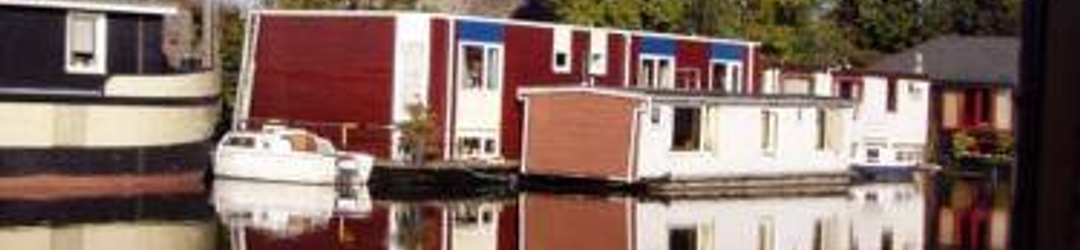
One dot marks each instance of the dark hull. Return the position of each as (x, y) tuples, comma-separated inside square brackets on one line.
[(148, 160)]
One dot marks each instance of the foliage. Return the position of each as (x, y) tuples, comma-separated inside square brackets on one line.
[(418, 133), (981, 147), (804, 32)]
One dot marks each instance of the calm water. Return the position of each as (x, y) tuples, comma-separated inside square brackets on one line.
[(252, 215)]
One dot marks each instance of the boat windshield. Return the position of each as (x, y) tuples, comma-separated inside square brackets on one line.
[(240, 141), (301, 143)]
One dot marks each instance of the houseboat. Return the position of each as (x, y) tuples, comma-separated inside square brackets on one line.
[(972, 91), (890, 116), (365, 68), (641, 135), (87, 89)]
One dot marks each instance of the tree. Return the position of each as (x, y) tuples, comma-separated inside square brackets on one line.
[(417, 132)]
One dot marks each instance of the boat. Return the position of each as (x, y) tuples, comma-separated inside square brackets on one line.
[(286, 210), (285, 154)]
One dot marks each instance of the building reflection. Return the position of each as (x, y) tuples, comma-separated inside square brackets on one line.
[(877, 216), (277, 216), (285, 216)]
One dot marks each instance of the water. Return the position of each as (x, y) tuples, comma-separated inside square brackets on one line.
[(236, 214)]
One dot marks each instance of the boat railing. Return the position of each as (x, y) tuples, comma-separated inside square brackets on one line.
[(342, 129)]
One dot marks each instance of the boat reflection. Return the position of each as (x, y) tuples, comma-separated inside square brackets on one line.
[(166, 220), (263, 215), (281, 216)]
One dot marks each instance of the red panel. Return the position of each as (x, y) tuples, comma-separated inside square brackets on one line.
[(616, 60), (528, 63), (508, 226), (322, 69), (433, 226), (368, 233), (690, 57), (437, 95), (566, 222)]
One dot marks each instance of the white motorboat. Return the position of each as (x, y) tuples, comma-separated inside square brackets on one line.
[(278, 153), (285, 210)]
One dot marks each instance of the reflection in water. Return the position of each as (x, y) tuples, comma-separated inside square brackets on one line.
[(171, 220), (278, 216), (879, 216)]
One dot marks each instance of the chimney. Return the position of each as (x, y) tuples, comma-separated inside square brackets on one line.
[(918, 63)]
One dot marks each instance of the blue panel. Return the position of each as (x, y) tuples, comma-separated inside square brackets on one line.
[(657, 46), (478, 31), (726, 51)]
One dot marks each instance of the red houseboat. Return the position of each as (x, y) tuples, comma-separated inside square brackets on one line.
[(362, 69)]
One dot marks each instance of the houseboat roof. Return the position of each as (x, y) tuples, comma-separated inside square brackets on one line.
[(527, 23), (695, 96), (122, 6), (959, 60)]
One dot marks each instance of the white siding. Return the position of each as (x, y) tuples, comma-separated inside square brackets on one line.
[(846, 223), (904, 130), (412, 53), (736, 134)]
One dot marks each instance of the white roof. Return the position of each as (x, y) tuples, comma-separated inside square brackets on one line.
[(132, 7)]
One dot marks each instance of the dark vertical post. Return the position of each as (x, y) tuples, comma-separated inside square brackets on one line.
[(1049, 129)]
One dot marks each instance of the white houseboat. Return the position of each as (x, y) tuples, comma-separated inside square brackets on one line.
[(632, 135)]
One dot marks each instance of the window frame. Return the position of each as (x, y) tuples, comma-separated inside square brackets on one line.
[(486, 63), (653, 81), (101, 26), (562, 43), (700, 130), (733, 78), (770, 123)]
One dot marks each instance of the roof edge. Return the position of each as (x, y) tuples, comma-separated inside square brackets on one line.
[(95, 6)]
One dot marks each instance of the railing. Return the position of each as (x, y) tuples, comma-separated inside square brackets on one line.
[(343, 129)]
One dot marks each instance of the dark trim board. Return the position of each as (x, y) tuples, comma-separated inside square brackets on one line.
[(97, 161), (121, 101), (172, 207)]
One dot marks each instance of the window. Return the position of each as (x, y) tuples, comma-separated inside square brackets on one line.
[(726, 76), (769, 129), (682, 239), (477, 147), (656, 72), (494, 78), (241, 141), (561, 56), (474, 70), (86, 37), (470, 146), (891, 95), (687, 130), (481, 67), (873, 155), (766, 234), (822, 125), (598, 52)]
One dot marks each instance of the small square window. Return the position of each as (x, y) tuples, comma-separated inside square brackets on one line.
[(85, 43)]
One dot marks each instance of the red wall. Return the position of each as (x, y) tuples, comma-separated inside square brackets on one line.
[(327, 69), (691, 55), (440, 53), (616, 51), (529, 63)]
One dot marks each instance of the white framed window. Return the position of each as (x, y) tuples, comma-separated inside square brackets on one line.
[(476, 147), (481, 66), (726, 76), (561, 56), (598, 46), (656, 71), (85, 44), (687, 129)]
